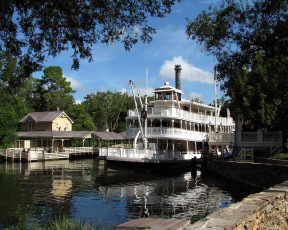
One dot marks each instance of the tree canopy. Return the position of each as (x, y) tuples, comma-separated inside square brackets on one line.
[(96, 113), (250, 41), (32, 30), (52, 90)]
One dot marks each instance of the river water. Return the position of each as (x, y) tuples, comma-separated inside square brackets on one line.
[(85, 189)]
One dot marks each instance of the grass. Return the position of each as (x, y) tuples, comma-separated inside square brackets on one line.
[(66, 224), (58, 224), (280, 156)]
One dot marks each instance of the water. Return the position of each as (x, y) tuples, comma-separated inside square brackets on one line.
[(84, 189)]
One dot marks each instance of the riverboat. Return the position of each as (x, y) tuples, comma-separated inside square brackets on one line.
[(168, 131)]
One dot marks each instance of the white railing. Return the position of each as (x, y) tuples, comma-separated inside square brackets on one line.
[(245, 154), (248, 138), (146, 154), (185, 115), (12, 153), (40, 153), (169, 132), (80, 149), (222, 137)]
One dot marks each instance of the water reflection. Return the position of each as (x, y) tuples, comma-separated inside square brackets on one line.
[(83, 188), (174, 196)]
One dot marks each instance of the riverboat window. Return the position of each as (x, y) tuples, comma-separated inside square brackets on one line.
[(176, 125), (185, 108), (31, 127), (165, 124), (163, 96)]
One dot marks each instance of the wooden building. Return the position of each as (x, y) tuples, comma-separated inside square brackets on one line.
[(48, 129)]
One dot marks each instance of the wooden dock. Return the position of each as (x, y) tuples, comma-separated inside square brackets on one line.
[(41, 154), (153, 224)]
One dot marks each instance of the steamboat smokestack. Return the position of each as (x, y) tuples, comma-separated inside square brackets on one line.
[(178, 76)]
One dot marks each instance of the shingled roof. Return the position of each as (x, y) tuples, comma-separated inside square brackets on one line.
[(39, 117), (55, 134), (109, 136)]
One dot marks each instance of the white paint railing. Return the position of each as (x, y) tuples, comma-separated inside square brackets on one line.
[(186, 115), (158, 132), (248, 138), (222, 137), (245, 154), (80, 149), (13, 153), (147, 154), (40, 153)]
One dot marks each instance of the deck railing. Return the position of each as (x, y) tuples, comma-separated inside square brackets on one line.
[(248, 138), (169, 132), (185, 115), (149, 154)]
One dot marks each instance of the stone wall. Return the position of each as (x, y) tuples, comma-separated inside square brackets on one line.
[(255, 176), (270, 161), (264, 210)]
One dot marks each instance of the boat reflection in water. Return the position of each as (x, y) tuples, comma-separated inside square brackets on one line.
[(182, 196), (85, 189)]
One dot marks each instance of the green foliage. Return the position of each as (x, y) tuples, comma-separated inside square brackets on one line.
[(32, 31), (98, 112), (53, 91), (66, 224), (82, 119), (13, 100), (281, 156), (8, 126), (58, 224), (107, 109), (250, 42)]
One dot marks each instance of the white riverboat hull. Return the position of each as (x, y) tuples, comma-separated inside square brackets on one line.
[(147, 159)]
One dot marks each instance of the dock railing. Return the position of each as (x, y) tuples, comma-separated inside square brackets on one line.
[(40, 153), (12, 153)]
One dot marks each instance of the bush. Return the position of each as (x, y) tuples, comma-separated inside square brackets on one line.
[(281, 156)]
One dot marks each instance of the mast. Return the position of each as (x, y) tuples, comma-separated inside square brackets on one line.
[(147, 80), (144, 139), (215, 85)]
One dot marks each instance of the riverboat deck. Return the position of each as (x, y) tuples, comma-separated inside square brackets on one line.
[(153, 224)]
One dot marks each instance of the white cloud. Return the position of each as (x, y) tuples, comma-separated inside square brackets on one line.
[(194, 95), (141, 91), (78, 101), (102, 89), (189, 72), (76, 84)]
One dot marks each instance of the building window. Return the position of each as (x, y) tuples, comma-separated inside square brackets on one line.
[(31, 127), (66, 127)]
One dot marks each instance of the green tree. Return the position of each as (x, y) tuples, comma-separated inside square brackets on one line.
[(250, 42), (81, 118), (108, 110), (32, 30), (53, 91), (13, 103)]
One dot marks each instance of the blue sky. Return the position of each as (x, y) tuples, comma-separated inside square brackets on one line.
[(113, 67)]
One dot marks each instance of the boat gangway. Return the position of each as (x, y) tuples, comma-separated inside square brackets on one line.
[(42, 154)]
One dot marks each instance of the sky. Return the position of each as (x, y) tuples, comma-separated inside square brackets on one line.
[(113, 67)]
